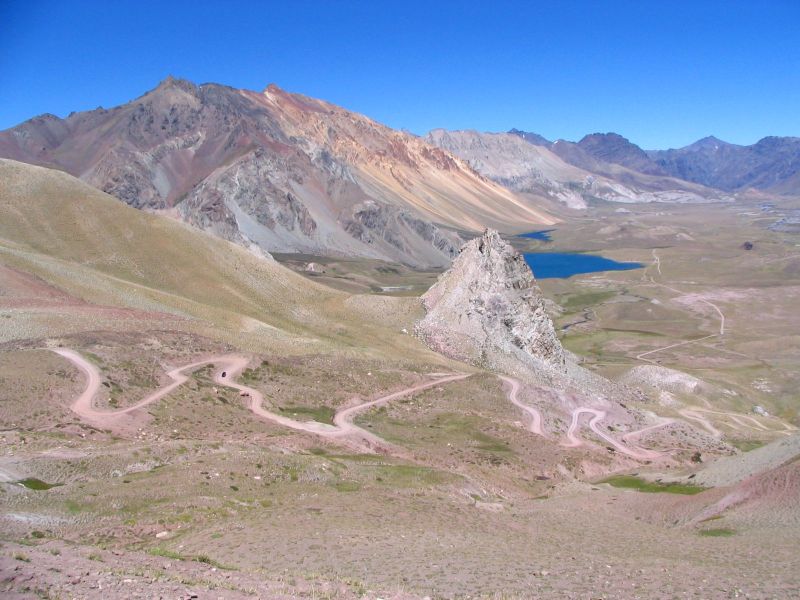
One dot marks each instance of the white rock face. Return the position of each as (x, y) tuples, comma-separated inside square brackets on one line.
[(487, 310), (517, 164), (663, 378)]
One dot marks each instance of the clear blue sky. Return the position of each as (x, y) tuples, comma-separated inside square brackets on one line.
[(661, 73)]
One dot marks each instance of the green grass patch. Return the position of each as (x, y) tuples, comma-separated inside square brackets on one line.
[(201, 558), (37, 484), (93, 358), (641, 332), (747, 445), (321, 414), (467, 428), (347, 486), (206, 560), (651, 487), (718, 532), (357, 458), (165, 553), (489, 443), (410, 475), (464, 432), (574, 302), (714, 518)]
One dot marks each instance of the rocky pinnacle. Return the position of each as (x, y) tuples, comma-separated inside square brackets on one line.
[(487, 310)]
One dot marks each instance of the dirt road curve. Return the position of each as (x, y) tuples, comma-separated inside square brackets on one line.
[(632, 435), (691, 414), (344, 428), (232, 365), (738, 421), (597, 416), (536, 417)]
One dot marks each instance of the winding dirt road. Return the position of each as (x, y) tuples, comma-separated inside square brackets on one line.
[(573, 440), (740, 421), (597, 416), (693, 413), (536, 417), (343, 427), (632, 435), (232, 365)]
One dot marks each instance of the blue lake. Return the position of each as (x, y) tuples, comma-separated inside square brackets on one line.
[(538, 235), (560, 265)]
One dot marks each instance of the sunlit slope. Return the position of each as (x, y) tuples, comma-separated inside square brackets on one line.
[(286, 172), (103, 251), (403, 169)]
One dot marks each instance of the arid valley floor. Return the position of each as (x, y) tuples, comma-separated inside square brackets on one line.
[(184, 419)]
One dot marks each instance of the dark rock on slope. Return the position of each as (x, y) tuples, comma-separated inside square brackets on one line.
[(613, 148), (772, 164)]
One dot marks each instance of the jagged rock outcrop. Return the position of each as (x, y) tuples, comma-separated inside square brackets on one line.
[(487, 310)]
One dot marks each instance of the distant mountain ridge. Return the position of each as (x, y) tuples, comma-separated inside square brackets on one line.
[(563, 171), (772, 164), (276, 170), (613, 148), (283, 172)]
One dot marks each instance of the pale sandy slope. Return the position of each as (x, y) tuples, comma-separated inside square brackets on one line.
[(730, 470), (101, 251), (403, 169)]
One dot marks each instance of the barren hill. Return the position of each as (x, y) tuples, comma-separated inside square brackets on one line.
[(104, 253), (279, 170)]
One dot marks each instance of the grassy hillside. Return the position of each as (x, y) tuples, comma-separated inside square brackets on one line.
[(98, 249)]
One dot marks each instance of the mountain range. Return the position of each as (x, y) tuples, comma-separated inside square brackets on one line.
[(281, 172), (772, 164), (277, 171), (563, 171)]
